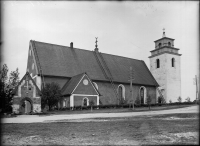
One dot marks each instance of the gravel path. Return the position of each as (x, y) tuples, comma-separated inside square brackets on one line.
[(36, 118)]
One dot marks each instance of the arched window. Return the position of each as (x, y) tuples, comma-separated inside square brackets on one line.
[(157, 63), (121, 93), (169, 44), (159, 45), (143, 94), (95, 84), (173, 62), (85, 101)]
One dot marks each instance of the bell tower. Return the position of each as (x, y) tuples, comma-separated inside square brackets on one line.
[(165, 67)]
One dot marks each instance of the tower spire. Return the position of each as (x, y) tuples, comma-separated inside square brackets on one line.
[(96, 46), (163, 33)]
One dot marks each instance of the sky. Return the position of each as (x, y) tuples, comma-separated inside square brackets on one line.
[(124, 28)]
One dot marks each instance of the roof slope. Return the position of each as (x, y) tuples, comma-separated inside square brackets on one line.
[(64, 61), (68, 88)]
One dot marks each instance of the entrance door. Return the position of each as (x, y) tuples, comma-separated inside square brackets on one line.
[(25, 107), (85, 102)]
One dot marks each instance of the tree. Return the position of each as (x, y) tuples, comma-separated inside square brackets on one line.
[(91, 104), (149, 101), (188, 99), (179, 99), (161, 99), (51, 94), (7, 85)]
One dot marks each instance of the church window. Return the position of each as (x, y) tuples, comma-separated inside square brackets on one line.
[(95, 84), (142, 93), (158, 63), (159, 45), (121, 93), (169, 44), (173, 62)]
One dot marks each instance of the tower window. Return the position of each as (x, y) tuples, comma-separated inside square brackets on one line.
[(173, 62), (159, 45), (169, 44), (158, 63)]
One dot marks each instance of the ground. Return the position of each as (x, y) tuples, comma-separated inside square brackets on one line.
[(171, 128)]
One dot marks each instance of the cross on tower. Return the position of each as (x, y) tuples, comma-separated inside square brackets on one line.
[(163, 32), (96, 42)]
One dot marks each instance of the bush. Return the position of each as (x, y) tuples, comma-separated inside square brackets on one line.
[(179, 99), (188, 99)]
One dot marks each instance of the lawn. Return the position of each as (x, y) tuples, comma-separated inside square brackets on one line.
[(117, 110), (143, 130)]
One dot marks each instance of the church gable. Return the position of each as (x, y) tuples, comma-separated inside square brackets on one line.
[(26, 96), (27, 87), (80, 84), (85, 86)]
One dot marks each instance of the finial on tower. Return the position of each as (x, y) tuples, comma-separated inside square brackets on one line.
[(163, 32), (96, 46)]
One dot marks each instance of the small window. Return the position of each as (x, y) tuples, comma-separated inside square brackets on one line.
[(169, 44), (173, 62), (158, 63), (159, 45)]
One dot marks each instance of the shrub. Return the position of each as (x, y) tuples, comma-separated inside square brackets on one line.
[(161, 99), (188, 99), (179, 99), (137, 101)]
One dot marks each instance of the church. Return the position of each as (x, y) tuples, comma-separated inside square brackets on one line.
[(86, 76)]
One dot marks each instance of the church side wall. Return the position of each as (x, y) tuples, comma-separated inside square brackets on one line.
[(78, 100), (173, 78), (108, 95), (159, 73)]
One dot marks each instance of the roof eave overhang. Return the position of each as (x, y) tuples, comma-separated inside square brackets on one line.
[(164, 38), (164, 47), (164, 53)]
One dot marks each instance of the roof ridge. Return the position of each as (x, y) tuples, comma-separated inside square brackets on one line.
[(89, 50)]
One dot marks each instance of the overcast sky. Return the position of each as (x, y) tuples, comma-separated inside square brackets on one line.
[(123, 28)]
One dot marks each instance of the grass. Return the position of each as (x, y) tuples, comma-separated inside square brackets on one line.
[(116, 110), (143, 130)]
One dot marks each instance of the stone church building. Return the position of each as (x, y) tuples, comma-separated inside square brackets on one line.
[(85, 76)]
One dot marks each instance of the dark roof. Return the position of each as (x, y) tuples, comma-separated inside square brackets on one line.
[(64, 61), (72, 83), (27, 74)]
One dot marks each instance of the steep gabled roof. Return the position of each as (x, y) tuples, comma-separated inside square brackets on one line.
[(70, 86), (27, 74), (64, 61)]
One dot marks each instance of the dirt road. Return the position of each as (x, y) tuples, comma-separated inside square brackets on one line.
[(36, 118)]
